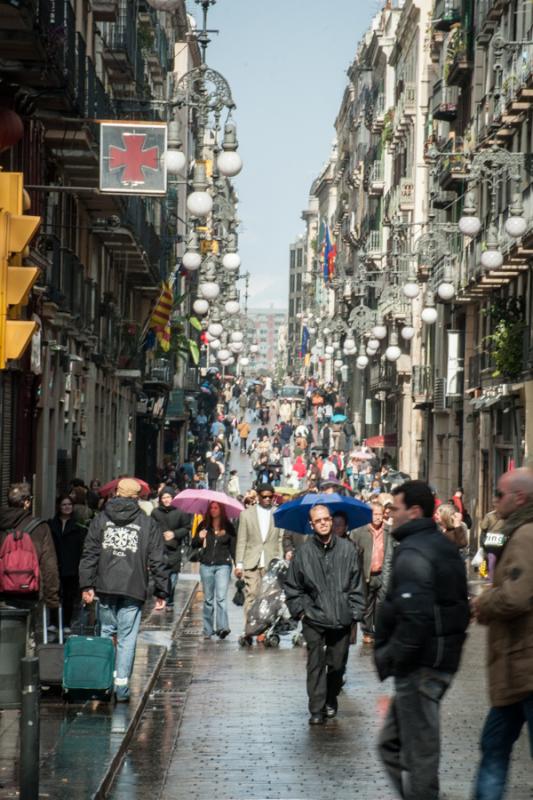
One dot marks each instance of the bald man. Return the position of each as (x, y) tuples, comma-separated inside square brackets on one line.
[(325, 589), (507, 610)]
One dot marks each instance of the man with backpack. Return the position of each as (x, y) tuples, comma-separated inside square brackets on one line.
[(123, 545), (28, 561)]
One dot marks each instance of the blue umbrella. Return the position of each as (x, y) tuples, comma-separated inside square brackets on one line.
[(339, 418), (294, 516)]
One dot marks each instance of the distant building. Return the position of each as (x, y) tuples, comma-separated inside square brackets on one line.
[(297, 267), (267, 326)]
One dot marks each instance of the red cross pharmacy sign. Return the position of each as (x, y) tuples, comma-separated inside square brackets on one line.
[(132, 158)]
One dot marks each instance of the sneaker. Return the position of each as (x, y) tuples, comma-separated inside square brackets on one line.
[(316, 719), (122, 698), (52, 628), (223, 633), (330, 711), (207, 636)]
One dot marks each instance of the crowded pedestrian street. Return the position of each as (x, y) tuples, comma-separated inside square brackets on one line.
[(266, 400)]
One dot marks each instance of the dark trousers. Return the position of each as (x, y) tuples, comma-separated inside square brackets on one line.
[(372, 590), (70, 597), (500, 732), (409, 742), (326, 658)]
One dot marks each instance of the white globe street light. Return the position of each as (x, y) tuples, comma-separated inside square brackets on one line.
[(215, 344), (429, 312), (209, 290), (200, 204), (329, 350), (237, 336), (516, 227), (393, 351), (223, 354), (411, 290), (236, 347), (244, 361), (407, 332), (232, 307), (175, 161), (361, 362), (229, 162), (254, 348), (231, 261), (200, 306), (191, 260), (492, 257), (373, 344), (469, 224), (446, 291), (349, 343), (337, 363), (379, 331), (215, 329)]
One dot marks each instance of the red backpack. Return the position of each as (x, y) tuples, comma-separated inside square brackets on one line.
[(19, 565)]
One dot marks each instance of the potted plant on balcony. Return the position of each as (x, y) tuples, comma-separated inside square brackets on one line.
[(505, 342)]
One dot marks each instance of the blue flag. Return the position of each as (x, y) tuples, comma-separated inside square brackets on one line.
[(305, 342)]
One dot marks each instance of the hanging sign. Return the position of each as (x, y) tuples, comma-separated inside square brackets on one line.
[(132, 158)]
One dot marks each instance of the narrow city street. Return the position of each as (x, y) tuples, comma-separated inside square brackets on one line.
[(232, 723), (240, 731)]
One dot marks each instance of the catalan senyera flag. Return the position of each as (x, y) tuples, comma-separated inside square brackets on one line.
[(160, 319)]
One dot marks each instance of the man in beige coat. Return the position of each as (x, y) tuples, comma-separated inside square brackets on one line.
[(507, 610), (258, 542)]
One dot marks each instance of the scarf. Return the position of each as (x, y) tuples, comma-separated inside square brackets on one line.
[(522, 516)]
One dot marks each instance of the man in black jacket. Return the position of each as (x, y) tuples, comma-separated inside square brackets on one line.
[(420, 634), (122, 546), (325, 589), (175, 527)]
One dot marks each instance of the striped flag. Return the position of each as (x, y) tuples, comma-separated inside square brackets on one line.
[(160, 319)]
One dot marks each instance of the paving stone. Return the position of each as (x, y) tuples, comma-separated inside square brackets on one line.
[(242, 733)]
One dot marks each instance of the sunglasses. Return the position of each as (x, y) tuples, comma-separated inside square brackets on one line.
[(266, 496)]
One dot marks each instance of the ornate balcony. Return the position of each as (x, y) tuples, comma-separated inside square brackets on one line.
[(446, 14), (445, 102), (422, 386), (376, 179)]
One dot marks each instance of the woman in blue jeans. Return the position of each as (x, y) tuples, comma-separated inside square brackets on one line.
[(216, 536)]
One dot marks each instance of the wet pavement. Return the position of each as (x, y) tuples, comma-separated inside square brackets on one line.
[(82, 745), (231, 724)]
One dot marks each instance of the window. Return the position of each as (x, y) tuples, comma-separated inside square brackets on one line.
[(292, 283), (299, 282), (300, 259), (293, 259)]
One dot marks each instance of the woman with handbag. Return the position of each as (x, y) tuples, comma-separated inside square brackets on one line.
[(216, 539)]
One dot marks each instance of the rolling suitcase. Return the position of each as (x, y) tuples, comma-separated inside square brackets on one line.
[(89, 667), (51, 654)]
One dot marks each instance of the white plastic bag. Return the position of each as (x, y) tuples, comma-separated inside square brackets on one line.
[(479, 558)]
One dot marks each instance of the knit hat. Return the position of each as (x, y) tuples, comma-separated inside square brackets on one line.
[(167, 490), (127, 487)]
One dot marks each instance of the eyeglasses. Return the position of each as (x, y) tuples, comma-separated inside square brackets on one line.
[(321, 521)]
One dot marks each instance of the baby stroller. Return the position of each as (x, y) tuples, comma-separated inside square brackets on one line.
[(269, 614)]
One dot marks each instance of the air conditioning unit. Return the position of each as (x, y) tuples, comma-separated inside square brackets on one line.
[(439, 395)]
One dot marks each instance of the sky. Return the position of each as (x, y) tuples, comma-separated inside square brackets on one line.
[(286, 63)]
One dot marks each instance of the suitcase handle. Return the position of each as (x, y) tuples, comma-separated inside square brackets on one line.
[(84, 615), (45, 624)]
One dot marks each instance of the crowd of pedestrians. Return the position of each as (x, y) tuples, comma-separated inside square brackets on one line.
[(401, 578)]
